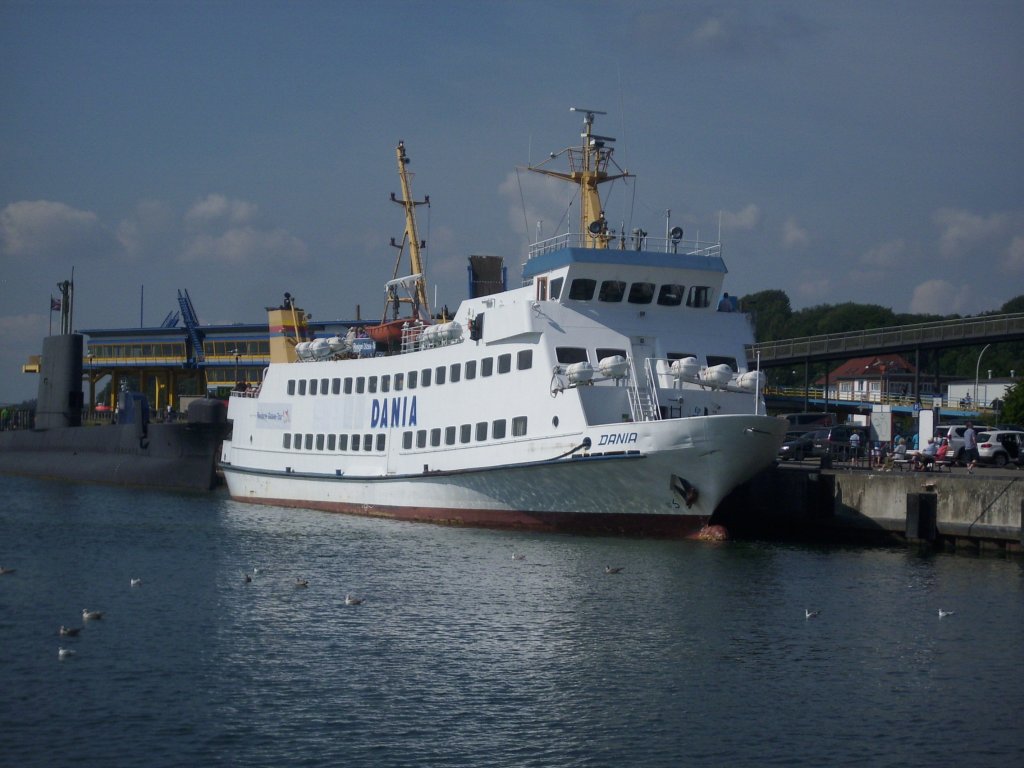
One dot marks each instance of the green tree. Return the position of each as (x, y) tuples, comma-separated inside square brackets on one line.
[(1013, 404)]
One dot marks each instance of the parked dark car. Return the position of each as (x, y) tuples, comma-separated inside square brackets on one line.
[(797, 446), (835, 442)]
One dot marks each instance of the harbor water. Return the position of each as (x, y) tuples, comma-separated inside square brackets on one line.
[(694, 654)]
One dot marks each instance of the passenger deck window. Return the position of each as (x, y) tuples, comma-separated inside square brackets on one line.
[(582, 289), (714, 360), (302, 386), (518, 426), (465, 433), (470, 370), (312, 386), (287, 440), (487, 366), (425, 377), (504, 363), (335, 386), (481, 430), (455, 372), (641, 293), (524, 360), (670, 295), (360, 385), (324, 384), (612, 290), (570, 355), (342, 442), (439, 373), (291, 386), (348, 385), (498, 429)]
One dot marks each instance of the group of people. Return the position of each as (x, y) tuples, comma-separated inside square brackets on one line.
[(937, 450)]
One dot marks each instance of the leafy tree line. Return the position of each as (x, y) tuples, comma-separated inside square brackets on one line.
[(775, 319)]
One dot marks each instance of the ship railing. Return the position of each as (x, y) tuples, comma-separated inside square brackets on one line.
[(636, 242)]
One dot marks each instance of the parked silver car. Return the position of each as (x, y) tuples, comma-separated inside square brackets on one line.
[(955, 434), (1001, 447)]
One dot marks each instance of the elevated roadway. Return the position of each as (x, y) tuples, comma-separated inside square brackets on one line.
[(941, 334)]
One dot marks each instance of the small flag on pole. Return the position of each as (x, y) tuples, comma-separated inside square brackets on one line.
[(54, 304)]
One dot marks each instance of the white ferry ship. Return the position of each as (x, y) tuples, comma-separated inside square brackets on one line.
[(609, 393)]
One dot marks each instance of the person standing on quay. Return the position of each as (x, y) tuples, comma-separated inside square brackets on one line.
[(970, 447)]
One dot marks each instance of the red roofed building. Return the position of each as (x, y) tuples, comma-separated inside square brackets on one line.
[(868, 379)]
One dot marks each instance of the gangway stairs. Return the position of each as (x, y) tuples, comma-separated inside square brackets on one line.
[(642, 404), (188, 315)]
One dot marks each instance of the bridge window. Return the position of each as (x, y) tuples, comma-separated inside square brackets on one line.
[(699, 296), (570, 355), (680, 355), (641, 293), (670, 295), (602, 353), (582, 289), (556, 287), (612, 290)]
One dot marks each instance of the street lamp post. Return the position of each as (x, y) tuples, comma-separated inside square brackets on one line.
[(977, 368)]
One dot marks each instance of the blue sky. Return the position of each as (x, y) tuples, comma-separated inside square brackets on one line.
[(853, 151)]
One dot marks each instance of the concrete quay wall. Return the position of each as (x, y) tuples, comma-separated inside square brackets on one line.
[(977, 511)]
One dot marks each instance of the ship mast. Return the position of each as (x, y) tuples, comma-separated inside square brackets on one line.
[(588, 169), (420, 306)]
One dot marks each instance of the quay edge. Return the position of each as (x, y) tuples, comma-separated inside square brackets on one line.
[(945, 510)]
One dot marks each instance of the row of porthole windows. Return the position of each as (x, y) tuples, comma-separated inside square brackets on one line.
[(613, 291), (463, 434), (413, 379), (343, 442)]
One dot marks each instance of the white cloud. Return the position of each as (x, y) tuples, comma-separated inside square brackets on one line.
[(793, 235), (963, 231), (939, 297), (1014, 260), (218, 208), (890, 254), (747, 218), (146, 230), (246, 245), (42, 229)]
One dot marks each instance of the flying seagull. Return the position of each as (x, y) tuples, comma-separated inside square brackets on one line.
[(943, 614), (809, 614)]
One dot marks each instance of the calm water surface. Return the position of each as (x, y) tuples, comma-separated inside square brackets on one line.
[(695, 654)]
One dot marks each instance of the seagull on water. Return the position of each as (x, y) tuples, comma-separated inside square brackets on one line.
[(63, 653), (68, 631), (809, 614), (136, 582), (248, 578), (609, 569), (302, 582), (943, 614), (351, 599), (88, 615), (6, 571), (518, 556)]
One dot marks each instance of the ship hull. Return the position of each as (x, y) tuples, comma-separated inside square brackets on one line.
[(169, 456), (670, 491)]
